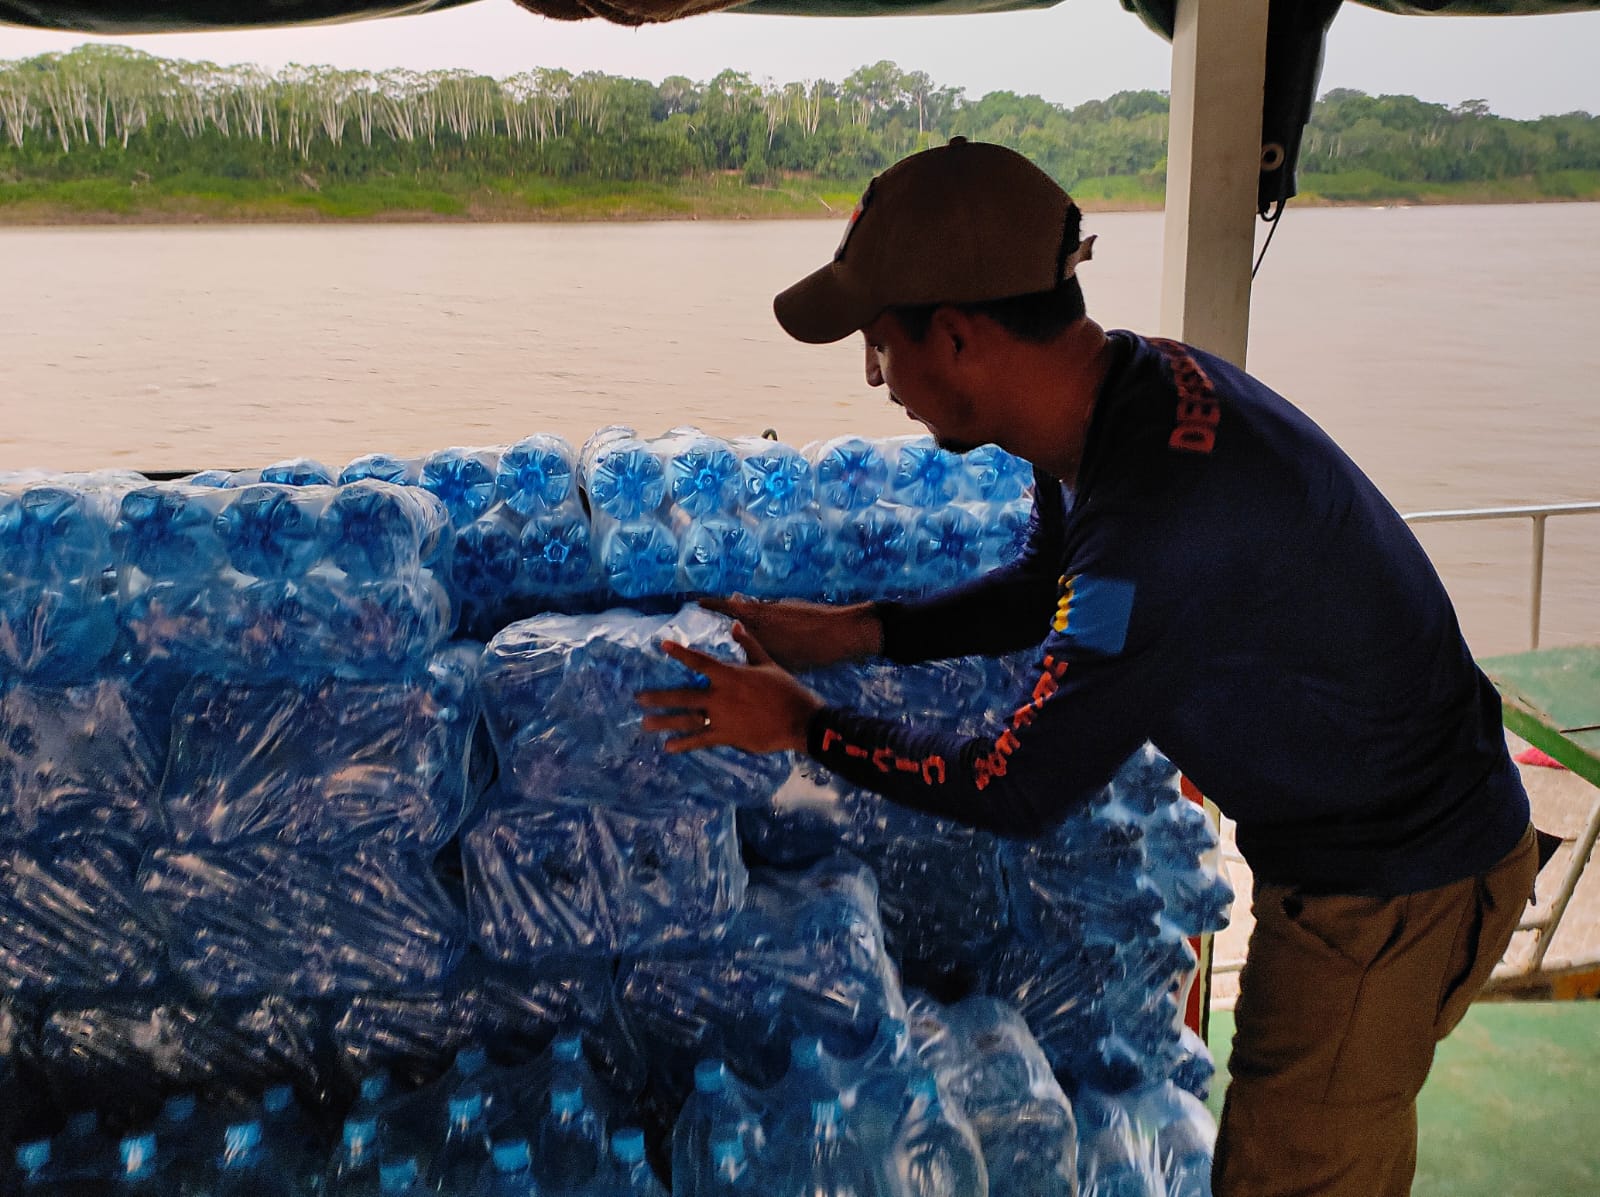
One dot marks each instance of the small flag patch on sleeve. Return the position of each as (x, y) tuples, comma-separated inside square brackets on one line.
[(1092, 614)]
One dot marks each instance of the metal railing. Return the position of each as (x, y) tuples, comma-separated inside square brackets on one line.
[(1539, 515)]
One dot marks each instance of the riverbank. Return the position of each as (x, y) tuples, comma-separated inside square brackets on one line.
[(305, 199)]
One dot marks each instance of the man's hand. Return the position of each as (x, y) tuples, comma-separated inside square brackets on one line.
[(757, 707), (801, 635)]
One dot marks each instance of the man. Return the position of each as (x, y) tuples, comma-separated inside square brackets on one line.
[(1208, 571)]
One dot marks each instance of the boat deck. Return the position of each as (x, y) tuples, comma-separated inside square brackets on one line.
[(1511, 1107), (1512, 1104)]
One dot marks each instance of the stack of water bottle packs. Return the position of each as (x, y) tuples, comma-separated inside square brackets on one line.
[(334, 857)]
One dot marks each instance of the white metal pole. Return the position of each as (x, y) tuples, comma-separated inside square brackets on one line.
[(1219, 52), (1219, 55)]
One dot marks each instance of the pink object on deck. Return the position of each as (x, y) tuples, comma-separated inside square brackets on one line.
[(1533, 756)]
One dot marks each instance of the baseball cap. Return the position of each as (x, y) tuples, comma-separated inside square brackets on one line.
[(961, 223)]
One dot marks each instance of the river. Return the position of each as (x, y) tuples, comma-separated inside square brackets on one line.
[(1453, 351)]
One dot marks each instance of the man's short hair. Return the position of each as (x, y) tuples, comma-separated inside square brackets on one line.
[(1039, 317)]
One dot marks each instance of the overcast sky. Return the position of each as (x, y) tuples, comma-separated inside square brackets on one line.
[(1081, 49)]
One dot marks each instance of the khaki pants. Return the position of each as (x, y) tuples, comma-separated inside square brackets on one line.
[(1341, 1002)]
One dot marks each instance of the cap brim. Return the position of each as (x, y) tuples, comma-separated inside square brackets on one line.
[(823, 307)]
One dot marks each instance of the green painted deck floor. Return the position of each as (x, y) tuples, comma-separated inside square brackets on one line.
[(1512, 1107)]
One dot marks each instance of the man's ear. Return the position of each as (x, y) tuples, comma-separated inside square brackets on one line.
[(953, 330)]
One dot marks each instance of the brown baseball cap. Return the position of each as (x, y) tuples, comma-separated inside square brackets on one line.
[(961, 223)]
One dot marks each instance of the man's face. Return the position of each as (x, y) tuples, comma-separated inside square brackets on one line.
[(921, 378)]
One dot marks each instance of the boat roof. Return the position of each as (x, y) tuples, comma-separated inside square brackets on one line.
[(152, 16)]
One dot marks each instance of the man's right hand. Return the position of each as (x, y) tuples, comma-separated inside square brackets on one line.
[(802, 635)]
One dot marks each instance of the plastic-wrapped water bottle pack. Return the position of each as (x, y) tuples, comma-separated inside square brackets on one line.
[(557, 692), (301, 895)]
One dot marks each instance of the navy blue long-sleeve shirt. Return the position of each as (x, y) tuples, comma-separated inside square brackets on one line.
[(1227, 584)]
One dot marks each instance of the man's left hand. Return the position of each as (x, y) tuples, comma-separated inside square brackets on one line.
[(758, 707)]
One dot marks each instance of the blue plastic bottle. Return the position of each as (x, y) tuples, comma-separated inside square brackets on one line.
[(639, 559), (246, 1169), (36, 1169), (463, 479), (827, 1160), (398, 1178), (82, 1152), (731, 1172), (923, 475), (630, 1171), (464, 1152), (353, 1170), (796, 557), (536, 474), (851, 473), (557, 551), (185, 1136), (140, 1168), (286, 1135), (880, 1079), (372, 1095), (486, 559), (1194, 1068), (169, 531), (935, 1153), (946, 547), (872, 546), (570, 1070), (717, 555), (383, 468), (510, 1173), (377, 530), (55, 531), (721, 1107), (571, 1143), (776, 479), (1185, 1136), (1114, 1160), (623, 477), (813, 1079), (298, 471), (270, 531), (702, 473), (995, 476), (1006, 532), (1197, 900)]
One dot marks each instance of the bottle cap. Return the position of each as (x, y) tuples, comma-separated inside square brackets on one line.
[(33, 1156), (470, 1060), (828, 1111), (466, 1107), (138, 1154), (178, 1109), (568, 1048), (83, 1124), (359, 1132), (241, 1137), (628, 1145), (374, 1087), (806, 1052), (398, 1176), (512, 1155), (710, 1076), (729, 1151), (276, 1099)]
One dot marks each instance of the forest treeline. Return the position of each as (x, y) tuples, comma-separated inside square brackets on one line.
[(116, 115)]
